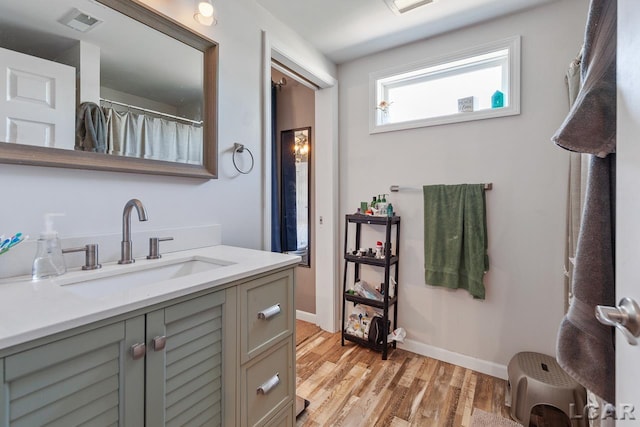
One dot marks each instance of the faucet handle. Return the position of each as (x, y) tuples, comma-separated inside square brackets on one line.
[(91, 256), (154, 246)]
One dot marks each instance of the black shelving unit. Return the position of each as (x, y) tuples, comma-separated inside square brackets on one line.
[(388, 263)]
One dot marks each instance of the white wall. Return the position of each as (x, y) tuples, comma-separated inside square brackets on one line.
[(526, 208), (93, 201)]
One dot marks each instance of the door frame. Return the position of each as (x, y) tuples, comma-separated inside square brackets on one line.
[(325, 164), (627, 205)]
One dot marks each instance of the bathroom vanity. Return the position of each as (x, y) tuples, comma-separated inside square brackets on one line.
[(211, 342)]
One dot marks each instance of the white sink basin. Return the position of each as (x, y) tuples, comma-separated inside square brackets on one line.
[(125, 278)]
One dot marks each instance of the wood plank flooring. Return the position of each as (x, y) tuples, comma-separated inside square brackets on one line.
[(353, 386)]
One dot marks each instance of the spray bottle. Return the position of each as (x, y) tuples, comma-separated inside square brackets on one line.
[(48, 261)]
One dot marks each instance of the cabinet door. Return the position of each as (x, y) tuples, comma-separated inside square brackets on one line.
[(76, 380), (184, 363)]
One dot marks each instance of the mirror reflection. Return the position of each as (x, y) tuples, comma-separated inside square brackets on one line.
[(295, 152), (82, 76)]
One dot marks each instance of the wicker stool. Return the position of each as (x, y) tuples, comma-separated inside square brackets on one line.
[(537, 379)]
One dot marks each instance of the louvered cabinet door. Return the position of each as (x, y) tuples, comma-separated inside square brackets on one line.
[(184, 363), (75, 381)]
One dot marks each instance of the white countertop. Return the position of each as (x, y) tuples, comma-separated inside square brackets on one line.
[(34, 309)]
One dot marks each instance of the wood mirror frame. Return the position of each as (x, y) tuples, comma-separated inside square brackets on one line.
[(56, 157)]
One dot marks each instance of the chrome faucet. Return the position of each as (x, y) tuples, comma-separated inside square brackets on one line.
[(125, 246)]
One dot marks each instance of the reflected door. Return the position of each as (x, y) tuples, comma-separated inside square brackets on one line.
[(37, 107), (294, 192)]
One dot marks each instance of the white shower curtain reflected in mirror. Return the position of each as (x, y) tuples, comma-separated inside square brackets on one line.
[(143, 136)]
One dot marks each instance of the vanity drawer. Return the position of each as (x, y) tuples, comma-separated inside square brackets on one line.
[(268, 384), (266, 312), (286, 418)]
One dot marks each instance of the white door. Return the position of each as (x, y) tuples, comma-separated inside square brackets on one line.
[(628, 204), (37, 101)]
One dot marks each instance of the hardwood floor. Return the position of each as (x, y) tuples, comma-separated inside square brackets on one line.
[(353, 386)]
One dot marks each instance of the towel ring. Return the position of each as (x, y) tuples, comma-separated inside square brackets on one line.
[(239, 148)]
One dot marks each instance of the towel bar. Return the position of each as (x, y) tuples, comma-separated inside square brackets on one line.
[(395, 188)]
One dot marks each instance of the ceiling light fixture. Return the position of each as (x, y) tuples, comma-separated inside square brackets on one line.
[(204, 13), (401, 6)]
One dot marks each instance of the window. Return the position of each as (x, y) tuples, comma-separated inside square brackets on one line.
[(479, 83)]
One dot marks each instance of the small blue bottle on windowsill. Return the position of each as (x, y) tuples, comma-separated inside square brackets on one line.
[(497, 99)]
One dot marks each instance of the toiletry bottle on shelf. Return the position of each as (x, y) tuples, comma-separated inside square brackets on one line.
[(373, 203), (382, 206), (48, 261), (379, 254)]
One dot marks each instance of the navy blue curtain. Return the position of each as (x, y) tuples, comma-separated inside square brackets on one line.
[(275, 188), (289, 226)]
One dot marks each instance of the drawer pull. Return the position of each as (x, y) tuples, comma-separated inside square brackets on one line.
[(269, 312), (269, 385), (138, 351), (159, 343)]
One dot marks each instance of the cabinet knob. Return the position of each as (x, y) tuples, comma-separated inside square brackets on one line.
[(269, 385), (138, 351), (159, 343), (269, 312)]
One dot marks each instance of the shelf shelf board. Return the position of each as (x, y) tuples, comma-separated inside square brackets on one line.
[(373, 219), (381, 262), (367, 301)]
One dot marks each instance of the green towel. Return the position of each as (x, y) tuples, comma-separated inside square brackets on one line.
[(455, 237)]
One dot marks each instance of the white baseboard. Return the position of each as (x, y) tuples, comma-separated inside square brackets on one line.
[(306, 316), (483, 366), (479, 365)]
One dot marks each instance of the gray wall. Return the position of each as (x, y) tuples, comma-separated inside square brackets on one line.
[(526, 208)]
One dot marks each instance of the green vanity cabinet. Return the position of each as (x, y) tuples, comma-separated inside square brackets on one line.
[(210, 358), (173, 378)]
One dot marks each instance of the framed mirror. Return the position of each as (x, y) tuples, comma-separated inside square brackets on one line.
[(295, 154), (106, 85)]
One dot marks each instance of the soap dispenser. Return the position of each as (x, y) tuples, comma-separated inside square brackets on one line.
[(48, 261)]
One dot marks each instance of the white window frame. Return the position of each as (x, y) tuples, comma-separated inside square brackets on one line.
[(378, 79)]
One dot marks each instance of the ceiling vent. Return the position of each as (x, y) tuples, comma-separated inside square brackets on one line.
[(402, 6), (79, 20)]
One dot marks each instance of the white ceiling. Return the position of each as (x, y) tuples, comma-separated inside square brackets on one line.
[(347, 29)]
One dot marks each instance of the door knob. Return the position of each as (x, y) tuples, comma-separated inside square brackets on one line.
[(625, 317)]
